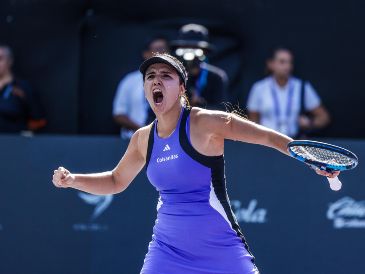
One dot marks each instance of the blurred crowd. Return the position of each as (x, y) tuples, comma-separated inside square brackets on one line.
[(279, 101), (20, 109)]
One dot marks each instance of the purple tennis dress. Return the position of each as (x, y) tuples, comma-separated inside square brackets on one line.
[(195, 231)]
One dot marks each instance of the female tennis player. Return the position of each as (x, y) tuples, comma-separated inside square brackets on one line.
[(195, 230)]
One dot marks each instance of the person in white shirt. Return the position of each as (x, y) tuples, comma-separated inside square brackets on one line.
[(130, 108), (285, 103)]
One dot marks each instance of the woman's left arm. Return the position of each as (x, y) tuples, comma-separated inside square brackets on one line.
[(231, 126), (225, 125)]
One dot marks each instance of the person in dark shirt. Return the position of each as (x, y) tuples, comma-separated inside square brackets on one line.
[(207, 84), (19, 106)]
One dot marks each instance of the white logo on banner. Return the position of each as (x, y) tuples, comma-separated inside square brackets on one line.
[(101, 203), (347, 213), (251, 214)]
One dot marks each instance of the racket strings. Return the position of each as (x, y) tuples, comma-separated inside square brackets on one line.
[(323, 155)]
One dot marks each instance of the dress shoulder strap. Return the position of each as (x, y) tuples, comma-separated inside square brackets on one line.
[(209, 161), (150, 142)]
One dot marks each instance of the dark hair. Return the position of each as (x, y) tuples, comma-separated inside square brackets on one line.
[(235, 110), (147, 43), (272, 56), (186, 102), (275, 50)]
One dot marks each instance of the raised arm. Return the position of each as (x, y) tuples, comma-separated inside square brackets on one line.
[(109, 182), (222, 125)]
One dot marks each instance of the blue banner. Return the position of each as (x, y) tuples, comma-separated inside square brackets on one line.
[(292, 220)]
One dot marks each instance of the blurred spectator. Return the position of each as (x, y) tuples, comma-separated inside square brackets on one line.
[(207, 84), (20, 109), (130, 107), (285, 103)]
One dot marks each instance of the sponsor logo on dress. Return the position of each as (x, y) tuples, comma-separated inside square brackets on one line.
[(168, 158), (250, 214), (166, 148), (347, 213), (101, 203)]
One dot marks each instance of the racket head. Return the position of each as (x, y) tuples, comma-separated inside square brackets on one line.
[(322, 155)]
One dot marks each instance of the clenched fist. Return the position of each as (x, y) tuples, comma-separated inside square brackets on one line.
[(63, 178)]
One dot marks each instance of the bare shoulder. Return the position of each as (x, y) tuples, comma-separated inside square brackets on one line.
[(220, 124), (205, 131), (206, 118), (140, 139), (207, 114)]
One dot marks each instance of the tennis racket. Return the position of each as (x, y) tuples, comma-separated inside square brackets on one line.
[(324, 156)]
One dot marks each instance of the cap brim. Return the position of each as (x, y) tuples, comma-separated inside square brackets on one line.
[(154, 60), (165, 60)]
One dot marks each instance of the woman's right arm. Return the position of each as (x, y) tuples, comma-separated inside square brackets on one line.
[(109, 182)]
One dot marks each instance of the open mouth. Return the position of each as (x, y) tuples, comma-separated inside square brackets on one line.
[(157, 96)]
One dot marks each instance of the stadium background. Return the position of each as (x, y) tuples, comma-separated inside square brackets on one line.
[(75, 52)]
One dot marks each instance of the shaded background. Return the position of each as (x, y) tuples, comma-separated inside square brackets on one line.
[(75, 52)]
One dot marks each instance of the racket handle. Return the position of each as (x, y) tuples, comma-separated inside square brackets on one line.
[(335, 183)]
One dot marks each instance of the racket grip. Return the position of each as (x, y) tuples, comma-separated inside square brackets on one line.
[(335, 183)]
